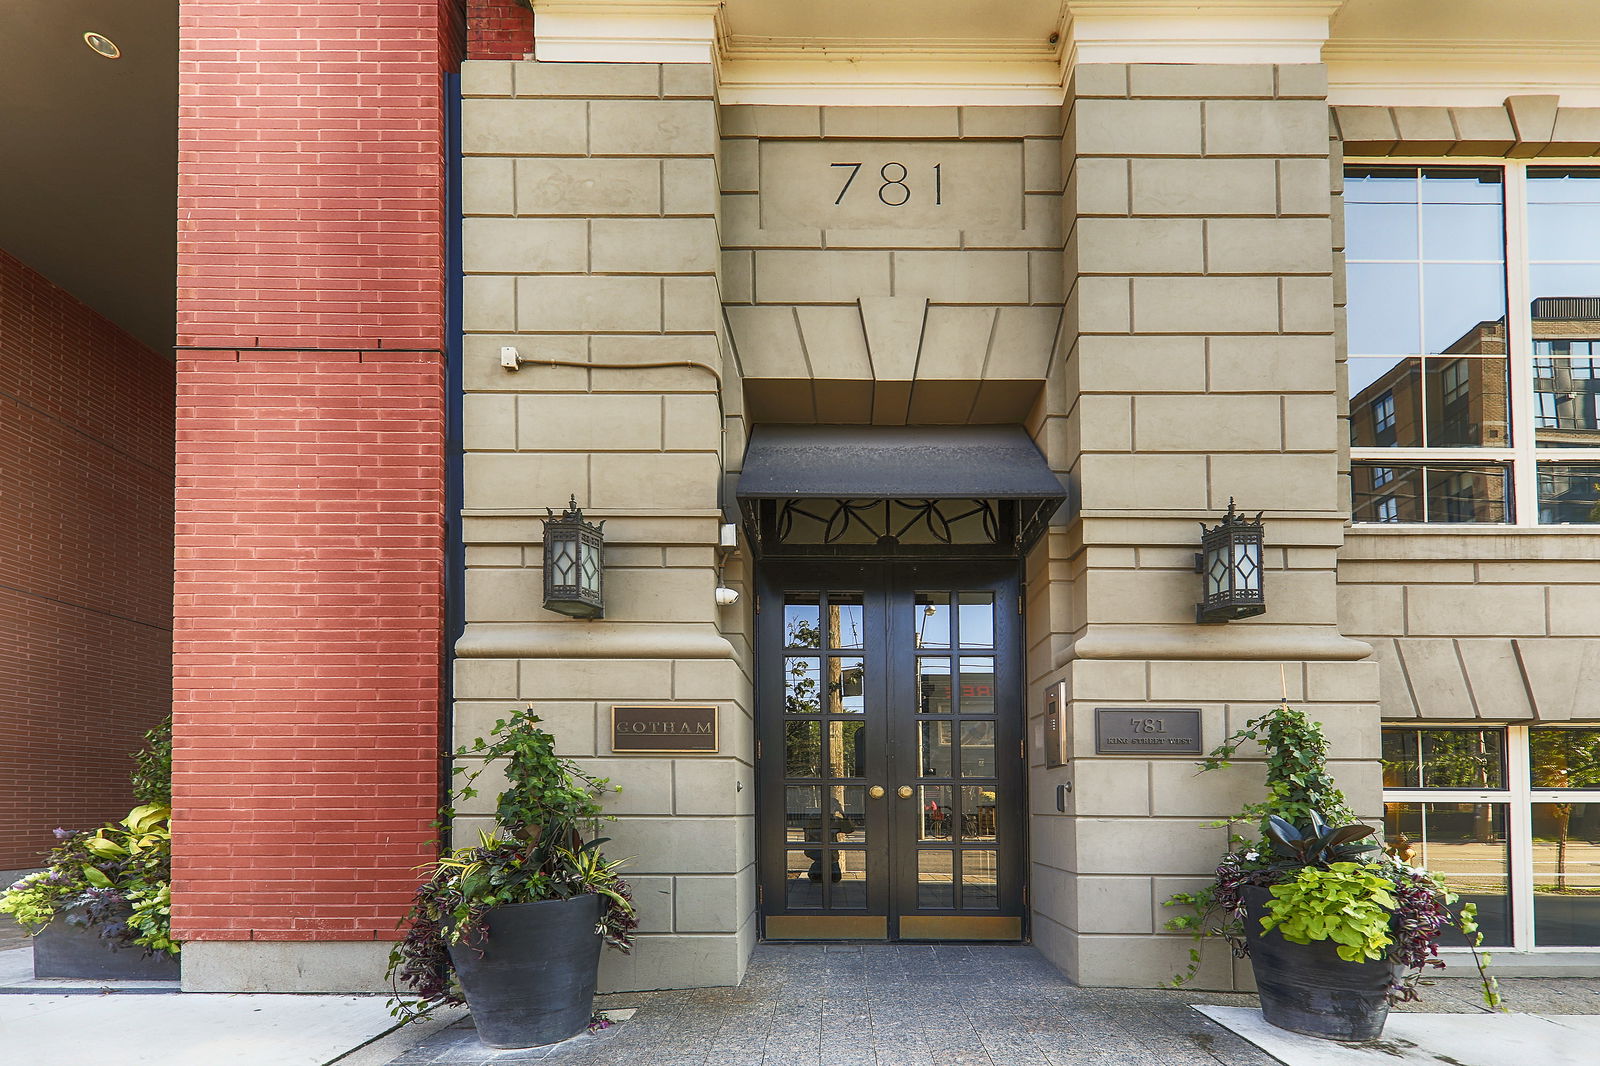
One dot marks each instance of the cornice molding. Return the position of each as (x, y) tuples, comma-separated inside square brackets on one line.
[(1276, 33), (601, 31)]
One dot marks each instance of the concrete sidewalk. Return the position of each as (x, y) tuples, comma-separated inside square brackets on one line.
[(945, 1005), (800, 1005)]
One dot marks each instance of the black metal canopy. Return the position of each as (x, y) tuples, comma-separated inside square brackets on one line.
[(911, 468)]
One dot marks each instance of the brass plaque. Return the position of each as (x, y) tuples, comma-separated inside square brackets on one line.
[(1147, 731), (669, 728), (959, 927), (827, 927)]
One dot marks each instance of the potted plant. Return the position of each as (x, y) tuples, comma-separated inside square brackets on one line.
[(108, 890), (513, 925), (1335, 929)]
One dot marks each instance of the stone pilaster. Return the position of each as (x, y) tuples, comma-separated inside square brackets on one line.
[(590, 244), (1201, 366)]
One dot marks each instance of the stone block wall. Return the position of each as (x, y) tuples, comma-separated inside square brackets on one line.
[(591, 245), (891, 266), (1200, 365), (1478, 624)]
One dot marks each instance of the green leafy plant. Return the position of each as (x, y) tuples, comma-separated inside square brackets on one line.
[(1324, 883), (152, 774), (545, 848), (115, 879), (1320, 844), (1348, 903)]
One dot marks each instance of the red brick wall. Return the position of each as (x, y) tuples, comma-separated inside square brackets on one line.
[(310, 505), (498, 29), (85, 561)]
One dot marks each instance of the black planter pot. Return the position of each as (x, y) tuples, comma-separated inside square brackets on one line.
[(62, 950), (1308, 988), (532, 980)]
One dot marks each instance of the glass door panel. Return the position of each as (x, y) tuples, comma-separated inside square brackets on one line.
[(955, 691), (890, 768)]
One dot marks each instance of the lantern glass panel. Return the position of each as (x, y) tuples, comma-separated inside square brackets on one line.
[(1247, 564), (562, 561), (588, 565), (1216, 572)]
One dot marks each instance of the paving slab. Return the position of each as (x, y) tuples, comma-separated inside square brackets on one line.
[(1411, 1039), (187, 1030)]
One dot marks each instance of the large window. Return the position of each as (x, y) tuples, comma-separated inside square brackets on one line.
[(1511, 817), (1474, 337)]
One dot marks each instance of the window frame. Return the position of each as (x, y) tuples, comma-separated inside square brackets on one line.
[(1522, 458), (1518, 796)]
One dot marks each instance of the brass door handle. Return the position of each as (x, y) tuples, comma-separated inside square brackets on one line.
[(876, 792), (904, 792)]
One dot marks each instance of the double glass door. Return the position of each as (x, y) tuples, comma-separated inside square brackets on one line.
[(890, 763)]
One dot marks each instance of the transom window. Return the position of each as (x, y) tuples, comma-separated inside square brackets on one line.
[(1474, 343), (1511, 817)]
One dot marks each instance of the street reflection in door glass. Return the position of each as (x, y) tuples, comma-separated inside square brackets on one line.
[(979, 884), (977, 812), (802, 620), (802, 685), (803, 879), (977, 685), (931, 622), (933, 749), (846, 628), (803, 807), (936, 879), (847, 749), (846, 685), (975, 619), (802, 744), (850, 885), (933, 685), (938, 813), (977, 749)]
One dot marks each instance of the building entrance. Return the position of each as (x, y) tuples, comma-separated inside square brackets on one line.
[(890, 758)]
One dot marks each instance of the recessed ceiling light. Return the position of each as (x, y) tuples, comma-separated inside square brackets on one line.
[(103, 45)]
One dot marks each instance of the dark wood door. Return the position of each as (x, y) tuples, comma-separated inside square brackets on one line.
[(890, 763)]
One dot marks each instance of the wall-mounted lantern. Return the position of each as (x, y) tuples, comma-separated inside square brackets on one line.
[(574, 564), (1229, 565)]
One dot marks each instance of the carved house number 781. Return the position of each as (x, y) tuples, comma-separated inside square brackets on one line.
[(894, 191)]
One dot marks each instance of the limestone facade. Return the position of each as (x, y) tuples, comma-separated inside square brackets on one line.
[(1147, 278)]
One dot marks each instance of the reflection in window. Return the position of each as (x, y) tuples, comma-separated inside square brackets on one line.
[(802, 685), (1466, 844), (1443, 758), (1383, 418), (1569, 493), (933, 619), (802, 621), (975, 611), (1426, 249), (1436, 492), (979, 880), (1565, 384), (1566, 874), (1564, 758)]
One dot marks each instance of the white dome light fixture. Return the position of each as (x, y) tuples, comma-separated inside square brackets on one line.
[(102, 45)]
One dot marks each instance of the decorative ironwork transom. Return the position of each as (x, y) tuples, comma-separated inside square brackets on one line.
[(857, 527)]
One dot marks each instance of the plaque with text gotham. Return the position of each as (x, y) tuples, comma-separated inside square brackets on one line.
[(1147, 731), (675, 728)]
